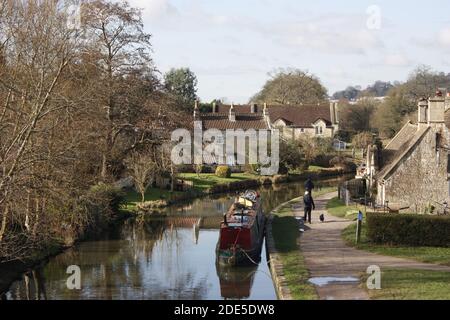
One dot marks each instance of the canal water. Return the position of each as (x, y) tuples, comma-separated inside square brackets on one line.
[(159, 258)]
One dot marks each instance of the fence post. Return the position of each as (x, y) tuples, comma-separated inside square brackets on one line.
[(358, 226)]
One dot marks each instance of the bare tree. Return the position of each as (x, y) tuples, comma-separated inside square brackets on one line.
[(143, 169), (119, 48)]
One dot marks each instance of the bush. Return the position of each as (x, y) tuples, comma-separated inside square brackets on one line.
[(323, 160), (223, 171), (409, 229), (150, 206), (277, 179), (343, 163), (110, 197)]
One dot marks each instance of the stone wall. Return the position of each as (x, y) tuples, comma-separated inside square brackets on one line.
[(420, 178)]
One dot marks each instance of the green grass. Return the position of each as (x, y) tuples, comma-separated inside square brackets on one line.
[(132, 198), (337, 208), (399, 284), (285, 233), (206, 180), (438, 255), (316, 168)]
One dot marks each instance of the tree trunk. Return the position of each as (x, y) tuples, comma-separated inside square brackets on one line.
[(172, 174), (4, 222), (104, 171), (27, 212)]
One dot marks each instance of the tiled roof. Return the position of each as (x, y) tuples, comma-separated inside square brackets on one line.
[(300, 116), (243, 121), (295, 115), (400, 145)]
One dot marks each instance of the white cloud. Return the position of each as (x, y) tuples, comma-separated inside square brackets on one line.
[(345, 34), (154, 9), (444, 37), (396, 60)]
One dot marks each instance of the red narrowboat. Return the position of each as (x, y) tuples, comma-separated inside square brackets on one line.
[(242, 231)]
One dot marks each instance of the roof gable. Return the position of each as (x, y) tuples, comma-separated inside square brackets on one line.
[(400, 146)]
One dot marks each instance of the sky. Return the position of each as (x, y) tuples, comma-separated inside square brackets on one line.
[(233, 45)]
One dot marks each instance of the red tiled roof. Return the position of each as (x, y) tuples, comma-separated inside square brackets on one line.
[(295, 115), (300, 116), (243, 121)]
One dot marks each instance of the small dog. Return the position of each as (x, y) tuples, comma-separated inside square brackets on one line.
[(322, 217)]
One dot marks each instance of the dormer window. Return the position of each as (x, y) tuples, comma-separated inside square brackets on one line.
[(319, 130)]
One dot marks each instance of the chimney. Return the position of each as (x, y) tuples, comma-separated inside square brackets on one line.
[(265, 110), (436, 108), (422, 112), (253, 108), (232, 115), (332, 112), (447, 101), (214, 107), (196, 111), (336, 112)]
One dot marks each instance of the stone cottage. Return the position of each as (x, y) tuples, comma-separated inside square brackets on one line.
[(412, 171), (293, 121)]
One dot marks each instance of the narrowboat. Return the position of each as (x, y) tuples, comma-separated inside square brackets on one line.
[(242, 231)]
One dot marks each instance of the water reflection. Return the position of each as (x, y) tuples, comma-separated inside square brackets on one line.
[(171, 257)]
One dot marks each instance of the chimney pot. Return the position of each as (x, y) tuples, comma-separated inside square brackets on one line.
[(232, 113)]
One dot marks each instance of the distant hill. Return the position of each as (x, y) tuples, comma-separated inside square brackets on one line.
[(378, 89)]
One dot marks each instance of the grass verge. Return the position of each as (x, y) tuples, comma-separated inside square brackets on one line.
[(204, 181), (132, 198), (437, 255), (401, 284), (337, 208)]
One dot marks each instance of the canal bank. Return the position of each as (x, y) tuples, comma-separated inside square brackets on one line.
[(243, 182), (122, 247)]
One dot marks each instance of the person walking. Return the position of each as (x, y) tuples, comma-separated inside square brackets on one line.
[(308, 202), (309, 185)]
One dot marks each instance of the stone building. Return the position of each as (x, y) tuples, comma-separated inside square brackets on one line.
[(412, 171), (293, 121)]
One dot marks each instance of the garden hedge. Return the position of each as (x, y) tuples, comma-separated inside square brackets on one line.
[(409, 229)]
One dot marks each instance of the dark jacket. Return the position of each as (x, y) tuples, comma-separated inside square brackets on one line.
[(309, 201)]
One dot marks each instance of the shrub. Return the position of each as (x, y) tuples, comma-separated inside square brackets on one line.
[(265, 180), (343, 163), (109, 196), (150, 206), (409, 229), (223, 171), (279, 179)]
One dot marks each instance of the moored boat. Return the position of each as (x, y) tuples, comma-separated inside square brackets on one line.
[(242, 231)]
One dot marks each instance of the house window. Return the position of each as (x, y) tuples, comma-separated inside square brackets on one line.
[(319, 130), (219, 139), (302, 130)]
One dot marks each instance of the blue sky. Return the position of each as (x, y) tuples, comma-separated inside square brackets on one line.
[(232, 45)]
